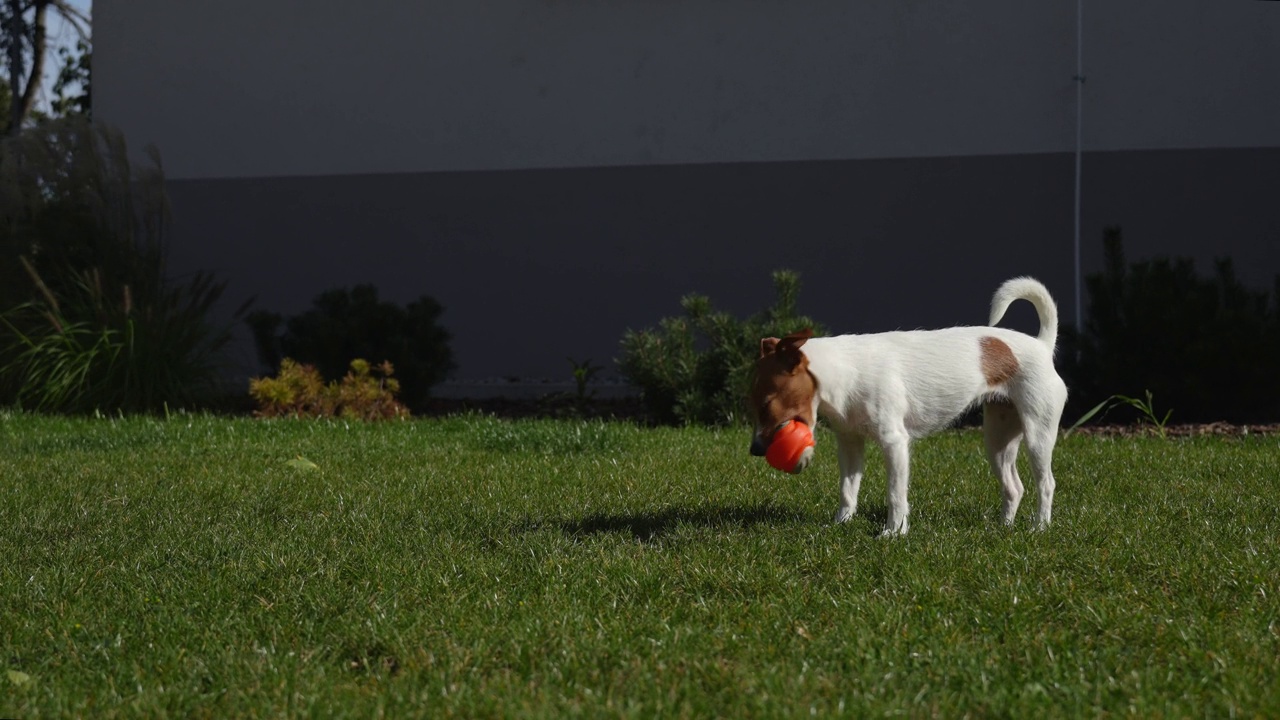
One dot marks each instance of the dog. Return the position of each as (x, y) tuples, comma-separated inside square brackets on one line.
[(894, 387)]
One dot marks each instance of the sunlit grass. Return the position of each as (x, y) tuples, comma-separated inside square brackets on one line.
[(476, 567)]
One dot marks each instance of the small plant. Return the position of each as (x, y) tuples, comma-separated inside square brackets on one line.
[(89, 351), (296, 391), (343, 324), (300, 391), (362, 395), (582, 374), (695, 368), (57, 368), (1145, 407)]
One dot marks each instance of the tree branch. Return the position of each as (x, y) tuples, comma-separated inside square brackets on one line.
[(39, 40), (13, 34), (74, 17)]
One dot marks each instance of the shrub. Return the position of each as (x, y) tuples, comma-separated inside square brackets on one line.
[(300, 391), (1207, 348), (90, 320), (695, 368), (343, 324)]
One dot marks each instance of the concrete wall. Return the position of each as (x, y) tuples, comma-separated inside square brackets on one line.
[(536, 265), (250, 88), (556, 171)]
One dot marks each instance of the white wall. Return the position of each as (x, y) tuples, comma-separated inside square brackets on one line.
[(246, 88)]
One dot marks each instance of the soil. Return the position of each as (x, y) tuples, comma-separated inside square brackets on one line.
[(1182, 430)]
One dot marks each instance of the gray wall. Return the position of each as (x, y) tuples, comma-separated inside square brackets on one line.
[(558, 171), (535, 265), (242, 88)]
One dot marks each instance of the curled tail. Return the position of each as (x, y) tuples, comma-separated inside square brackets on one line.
[(1031, 290)]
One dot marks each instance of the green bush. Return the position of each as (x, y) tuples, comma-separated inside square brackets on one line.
[(343, 324), (300, 391), (1206, 348), (695, 368), (88, 318)]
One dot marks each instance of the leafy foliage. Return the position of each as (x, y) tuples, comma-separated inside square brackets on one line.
[(582, 373), (90, 319), (24, 45), (343, 324), (1208, 347), (1146, 408), (73, 89), (695, 368), (300, 391)]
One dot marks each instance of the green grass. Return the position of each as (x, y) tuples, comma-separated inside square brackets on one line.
[(473, 567)]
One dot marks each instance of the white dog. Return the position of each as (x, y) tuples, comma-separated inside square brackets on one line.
[(898, 386)]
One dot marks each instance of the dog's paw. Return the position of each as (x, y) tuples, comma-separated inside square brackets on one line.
[(893, 531), (844, 515)]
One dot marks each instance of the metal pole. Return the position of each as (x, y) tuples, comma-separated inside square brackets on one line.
[(1079, 79)]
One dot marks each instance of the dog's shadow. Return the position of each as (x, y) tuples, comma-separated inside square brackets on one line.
[(651, 526), (875, 515)]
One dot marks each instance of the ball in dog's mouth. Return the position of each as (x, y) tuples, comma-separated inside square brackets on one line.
[(806, 456), (791, 449)]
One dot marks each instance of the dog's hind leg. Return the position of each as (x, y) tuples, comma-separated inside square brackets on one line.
[(1002, 433), (1040, 422), (852, 451), (1040, 442)]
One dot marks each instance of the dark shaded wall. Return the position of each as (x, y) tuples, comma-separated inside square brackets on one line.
[(537, 265)]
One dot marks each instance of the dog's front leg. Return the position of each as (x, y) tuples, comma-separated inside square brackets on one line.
[(897, 461), (851, 449)]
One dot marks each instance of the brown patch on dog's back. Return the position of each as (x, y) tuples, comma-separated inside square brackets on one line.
[(998, 362)]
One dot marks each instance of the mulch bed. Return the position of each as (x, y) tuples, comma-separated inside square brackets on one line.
[(1182, 430)]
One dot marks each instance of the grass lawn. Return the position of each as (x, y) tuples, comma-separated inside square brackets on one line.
[(475, 567)]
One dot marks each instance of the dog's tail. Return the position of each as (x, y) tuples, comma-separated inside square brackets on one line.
[(1031, 290)]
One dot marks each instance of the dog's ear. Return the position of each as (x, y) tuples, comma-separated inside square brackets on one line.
[(768, 346), (788, 349), (796, 339)]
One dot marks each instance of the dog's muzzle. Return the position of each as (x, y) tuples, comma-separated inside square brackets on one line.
[(760, 447)]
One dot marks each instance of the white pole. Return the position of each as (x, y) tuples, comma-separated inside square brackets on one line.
[(1079, 122)]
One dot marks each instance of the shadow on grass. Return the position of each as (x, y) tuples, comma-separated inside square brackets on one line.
[(653, 525), (877, 515)]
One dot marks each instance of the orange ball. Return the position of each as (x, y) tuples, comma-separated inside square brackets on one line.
[(791, 448)]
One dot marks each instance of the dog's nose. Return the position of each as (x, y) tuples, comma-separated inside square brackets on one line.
[(757, 447)]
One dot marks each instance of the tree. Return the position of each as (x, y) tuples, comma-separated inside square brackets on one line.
[(24, 38)]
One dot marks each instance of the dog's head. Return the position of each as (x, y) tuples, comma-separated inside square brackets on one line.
[(782, 389)]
